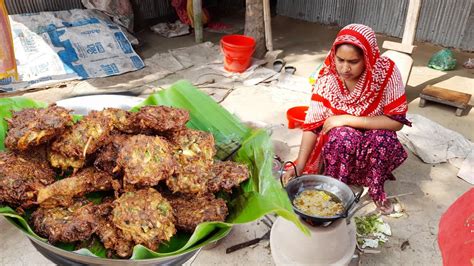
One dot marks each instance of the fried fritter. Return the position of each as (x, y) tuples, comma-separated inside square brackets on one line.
[(63, 162), (66, 224), (109, 234), (161, 118), (20, 179), (106, 159), (194, 151), (226, 175), (193, 210), (38, 154), (62, 192), (144, 217), (84, 138), (188, 180), (194, 143), (145, 160), (122, 120), (32, 127), (113, 239)]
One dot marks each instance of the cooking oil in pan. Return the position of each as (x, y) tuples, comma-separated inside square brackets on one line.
[(317, 202)]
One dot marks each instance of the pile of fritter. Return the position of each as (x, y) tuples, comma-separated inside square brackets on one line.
[(123, 177)]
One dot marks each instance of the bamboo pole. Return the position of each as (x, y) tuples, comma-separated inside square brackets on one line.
[(268, 25), (197, 11)]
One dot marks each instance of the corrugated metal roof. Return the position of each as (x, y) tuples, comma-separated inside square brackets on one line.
[(467, 42), (149, 9), (34, 6), (146, 9), (445, 22)]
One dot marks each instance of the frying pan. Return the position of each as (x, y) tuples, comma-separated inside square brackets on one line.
[(329, 184)]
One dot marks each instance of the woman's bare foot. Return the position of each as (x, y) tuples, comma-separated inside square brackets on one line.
[(385, 208)]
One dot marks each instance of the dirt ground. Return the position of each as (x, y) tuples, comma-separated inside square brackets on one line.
[(304, 45)]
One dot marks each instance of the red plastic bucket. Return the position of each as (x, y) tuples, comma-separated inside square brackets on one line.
[(238, 50), (296, 116)]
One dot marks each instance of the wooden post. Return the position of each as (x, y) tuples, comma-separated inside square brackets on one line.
[(411, 22), (268, 25), (197, 11), (409, 31), (254, 25)]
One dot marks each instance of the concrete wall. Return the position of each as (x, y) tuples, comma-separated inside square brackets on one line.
[(446, 22)]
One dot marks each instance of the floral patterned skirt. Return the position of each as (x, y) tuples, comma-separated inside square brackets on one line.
[(363, 157)]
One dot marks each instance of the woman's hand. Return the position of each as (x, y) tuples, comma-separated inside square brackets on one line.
[(290, 174), (335, 121)]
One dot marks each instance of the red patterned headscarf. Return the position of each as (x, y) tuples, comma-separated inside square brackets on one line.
[(379, 91)]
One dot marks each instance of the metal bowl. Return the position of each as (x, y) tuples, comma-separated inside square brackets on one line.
[(84, 104), (63, 257)]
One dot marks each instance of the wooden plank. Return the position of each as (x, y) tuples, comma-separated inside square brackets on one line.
[(460, 100), (411, 22), (422, 102), (197, 23), (450, 97), (255, 26), (442, 101), (267, 19), (400, 47)]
